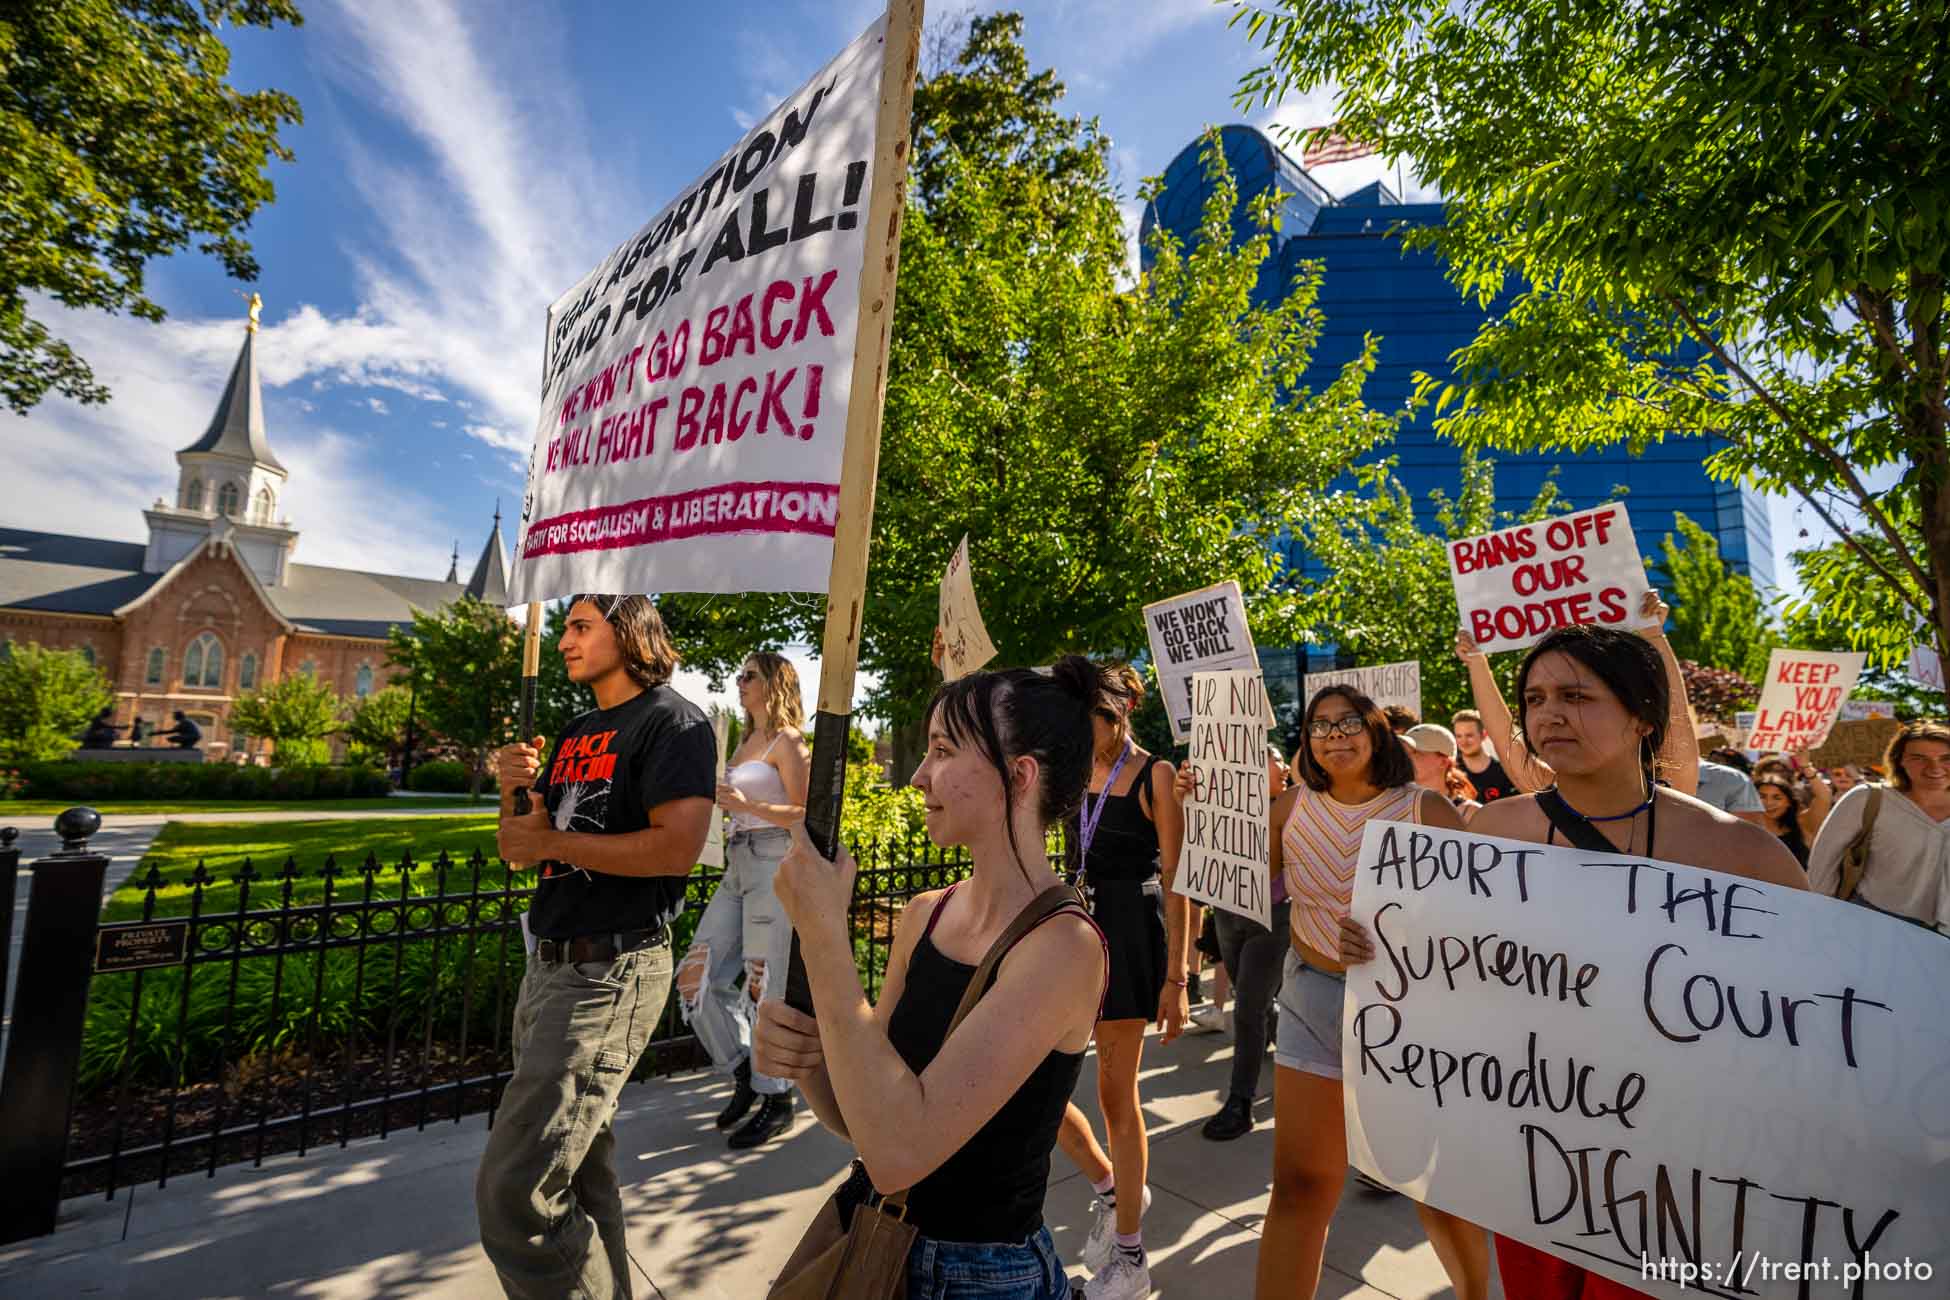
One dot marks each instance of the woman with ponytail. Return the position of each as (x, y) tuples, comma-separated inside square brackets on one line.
[(1594, 704), (962, 1117)]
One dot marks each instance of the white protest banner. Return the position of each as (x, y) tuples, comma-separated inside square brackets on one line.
[(1926, 666), (1224, 861), (1514, 586), (1668, 1076), (1863, 710), (964, 639), (1385, 684), (696, 383), (1802, 697), (1200, 631), (712, 854)]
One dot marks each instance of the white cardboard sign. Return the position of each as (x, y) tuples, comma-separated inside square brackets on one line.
[(1630, 1063), (1514, 586), (964, 638), (1224, 860), (694, 401), (1385, 684), (1926, 666), (1802, 698), (1200, 631), (712, 854)]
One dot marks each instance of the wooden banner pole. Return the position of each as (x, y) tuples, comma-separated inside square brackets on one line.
[(531, 669), (846, 588)]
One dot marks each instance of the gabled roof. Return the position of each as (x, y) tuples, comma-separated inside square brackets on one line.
[(69, 575), (237, 429)]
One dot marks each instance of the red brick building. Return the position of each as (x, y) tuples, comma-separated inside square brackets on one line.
[(215, 603)]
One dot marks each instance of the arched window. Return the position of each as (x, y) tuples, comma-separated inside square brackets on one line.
[(88, 653), (193, 495), (362, 682), (203, 661), (262, 505), (227, 500), (247, 673), (153, 673)]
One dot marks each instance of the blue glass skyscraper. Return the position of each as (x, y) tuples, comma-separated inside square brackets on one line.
[(1373, 284)]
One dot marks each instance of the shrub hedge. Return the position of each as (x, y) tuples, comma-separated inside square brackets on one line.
[(85, 782), (445, 776)]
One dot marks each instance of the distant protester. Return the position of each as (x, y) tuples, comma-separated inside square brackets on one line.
[(1888, 847)]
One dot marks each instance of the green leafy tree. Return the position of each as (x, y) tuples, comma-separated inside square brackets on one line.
[(377, 724), (1101, 445), (1725, 219), (465, 662), (557, 699), (1387, 595), (123, 142), (1718, 617), (297, 713), (46, 698)]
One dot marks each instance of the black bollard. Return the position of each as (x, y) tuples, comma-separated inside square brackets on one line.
[(44, 1044)]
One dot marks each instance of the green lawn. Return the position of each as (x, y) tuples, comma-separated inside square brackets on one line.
[(222, 848), (13, 812)]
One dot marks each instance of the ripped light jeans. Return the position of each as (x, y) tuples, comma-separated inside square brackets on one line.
[(743, 927)]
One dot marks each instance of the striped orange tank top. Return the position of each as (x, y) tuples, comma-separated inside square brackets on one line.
[(1320, 844)]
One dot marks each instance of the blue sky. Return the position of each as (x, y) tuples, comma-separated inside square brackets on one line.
[(461, 164)]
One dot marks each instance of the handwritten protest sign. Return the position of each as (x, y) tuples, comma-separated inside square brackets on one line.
[(965, 641), (1659, 1073), (1224, 862), (1863, 710), (1926, 666), (712, 854), (1385, 684), (1200, 631), (1514, 586), (1861, 742), (1801, 698), (696, 382)]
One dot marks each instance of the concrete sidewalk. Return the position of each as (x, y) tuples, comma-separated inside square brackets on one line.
[(396, 1217)]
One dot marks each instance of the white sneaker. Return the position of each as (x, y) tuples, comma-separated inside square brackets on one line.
[(1208, 1019), (1097, 1247), (1123, 1279)]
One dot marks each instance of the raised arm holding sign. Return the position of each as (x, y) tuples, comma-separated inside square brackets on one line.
[(1200, 631), (1802, 698)]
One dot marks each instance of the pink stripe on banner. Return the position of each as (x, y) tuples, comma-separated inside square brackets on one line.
[(725, 508)]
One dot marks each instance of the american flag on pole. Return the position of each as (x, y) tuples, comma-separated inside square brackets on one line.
[(1327, 145)]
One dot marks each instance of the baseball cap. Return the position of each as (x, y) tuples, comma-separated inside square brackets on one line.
[(1431, 738)]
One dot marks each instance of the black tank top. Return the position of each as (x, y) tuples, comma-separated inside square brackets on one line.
[(1492, 783), (1796, 843), (1125, 846), (992, 1189)]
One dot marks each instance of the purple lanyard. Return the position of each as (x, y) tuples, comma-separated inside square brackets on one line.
[(1092, 816)]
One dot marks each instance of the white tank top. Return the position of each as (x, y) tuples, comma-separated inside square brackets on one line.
[(760, 782)]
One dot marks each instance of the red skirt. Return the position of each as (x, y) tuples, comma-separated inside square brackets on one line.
[(1532, 1274)]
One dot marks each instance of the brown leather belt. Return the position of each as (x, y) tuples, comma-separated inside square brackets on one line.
[(597, 947)]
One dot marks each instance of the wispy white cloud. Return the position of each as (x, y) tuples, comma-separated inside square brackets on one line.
[(377, 405)]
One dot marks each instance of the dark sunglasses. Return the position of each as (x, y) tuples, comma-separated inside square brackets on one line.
[(749, 675)]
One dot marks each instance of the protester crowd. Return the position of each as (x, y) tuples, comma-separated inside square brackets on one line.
[(955, 1087)]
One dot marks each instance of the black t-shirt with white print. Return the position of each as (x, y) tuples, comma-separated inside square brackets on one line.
[(604, 774)]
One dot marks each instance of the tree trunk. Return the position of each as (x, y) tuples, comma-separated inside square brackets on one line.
[(910, 742)]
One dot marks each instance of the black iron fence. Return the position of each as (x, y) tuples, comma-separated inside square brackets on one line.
[(253, 1010)]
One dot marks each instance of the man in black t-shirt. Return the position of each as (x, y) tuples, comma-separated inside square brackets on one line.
[(619, 813), (1485, 773)]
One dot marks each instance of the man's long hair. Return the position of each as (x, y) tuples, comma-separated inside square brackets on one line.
[(648, 656)]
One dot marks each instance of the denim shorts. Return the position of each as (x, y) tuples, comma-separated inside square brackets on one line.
[(955, 1270), (1310, 1018)]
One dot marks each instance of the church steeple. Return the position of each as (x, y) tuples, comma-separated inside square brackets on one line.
[(453, 565), (490, 578), (237, 428)]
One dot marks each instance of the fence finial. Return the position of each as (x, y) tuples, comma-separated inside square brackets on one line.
[(75, 827)]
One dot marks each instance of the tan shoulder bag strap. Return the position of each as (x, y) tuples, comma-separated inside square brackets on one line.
[(1039, 909), (1855, 858)]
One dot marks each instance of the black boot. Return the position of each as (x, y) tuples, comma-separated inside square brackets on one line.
[(1234, 1120), (774, 1117), (742, 1096)]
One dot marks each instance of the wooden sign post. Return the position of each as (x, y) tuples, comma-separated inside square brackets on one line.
[(846, 590)]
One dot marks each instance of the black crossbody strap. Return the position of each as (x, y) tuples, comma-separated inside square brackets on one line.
[(1571, 824)]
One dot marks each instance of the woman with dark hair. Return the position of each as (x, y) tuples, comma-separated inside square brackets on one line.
[(1128, 833), (1787, 814), (743, 927), (1903, 830), (1352, 769), (1594, 704), (961, 1121)]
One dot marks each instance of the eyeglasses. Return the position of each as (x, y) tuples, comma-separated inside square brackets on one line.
[(749, 675), (1352, 725)]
